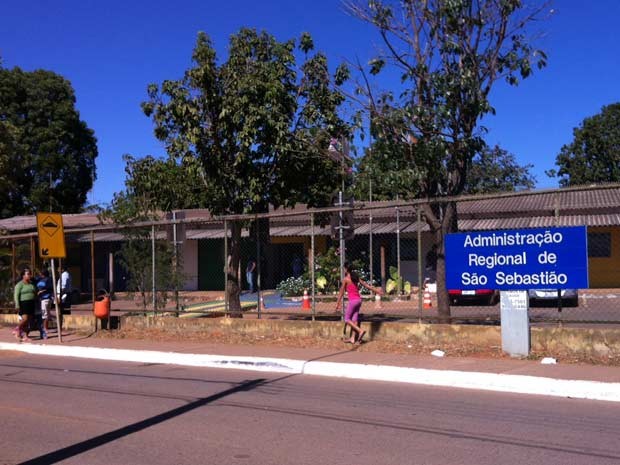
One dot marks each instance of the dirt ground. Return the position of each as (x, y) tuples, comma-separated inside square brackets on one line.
[(386, 347)]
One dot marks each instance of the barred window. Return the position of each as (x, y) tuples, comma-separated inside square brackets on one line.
[(599, 245)]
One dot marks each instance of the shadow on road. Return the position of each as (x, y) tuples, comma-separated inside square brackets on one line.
[(84, 446)]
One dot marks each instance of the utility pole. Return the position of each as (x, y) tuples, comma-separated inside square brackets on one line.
[(338, 151), (370, 245)]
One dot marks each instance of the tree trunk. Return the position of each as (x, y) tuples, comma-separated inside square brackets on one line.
[(442, 220), (233, 286)]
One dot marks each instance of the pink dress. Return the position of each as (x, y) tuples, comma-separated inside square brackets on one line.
[(352, 312)]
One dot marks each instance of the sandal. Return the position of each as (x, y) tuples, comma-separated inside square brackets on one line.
[(359, 340)]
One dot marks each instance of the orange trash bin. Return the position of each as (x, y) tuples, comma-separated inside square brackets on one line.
[(102, 306)]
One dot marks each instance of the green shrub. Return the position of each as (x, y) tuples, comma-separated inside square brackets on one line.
[(293, 286), (327, 272), (396, 282)]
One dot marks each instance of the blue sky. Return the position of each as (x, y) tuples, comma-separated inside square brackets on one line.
[(111, 50)]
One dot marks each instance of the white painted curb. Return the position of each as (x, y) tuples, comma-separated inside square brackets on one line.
[(277, 365), (520, 384)]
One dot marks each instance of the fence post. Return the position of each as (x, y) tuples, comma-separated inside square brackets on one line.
[(92, 272), (153, 270), (556, 215), (111, 273), (175, 258), (420, 268), (312, 264), (382, 256), (226, 265), (258, 288), (32, 254), (342, 246), (13, 274), (399, 281), (370, 255), (92, 265)]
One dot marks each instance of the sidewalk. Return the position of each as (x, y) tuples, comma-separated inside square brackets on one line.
[(502, 375)]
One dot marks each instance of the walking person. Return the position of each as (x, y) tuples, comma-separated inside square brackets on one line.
[(249, 274), (351, 284), (25, 297), (36, 323), (63, 289), (44, 291)]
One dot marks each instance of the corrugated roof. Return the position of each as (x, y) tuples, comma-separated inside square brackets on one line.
[(276, 231), (565, 202), (112, 237), (390, 228), (102, 237), (507, 205), (596, 207), (287, 231), (538, 222), (210, 234), (75, 220)]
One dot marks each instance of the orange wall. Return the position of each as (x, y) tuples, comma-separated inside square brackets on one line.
[(605, 272)]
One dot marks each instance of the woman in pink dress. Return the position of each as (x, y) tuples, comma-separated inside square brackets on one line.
[(351, 316)]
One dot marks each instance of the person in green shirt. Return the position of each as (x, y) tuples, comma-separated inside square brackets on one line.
[(25, 298)]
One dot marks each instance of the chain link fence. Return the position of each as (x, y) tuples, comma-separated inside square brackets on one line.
[(289, 264)]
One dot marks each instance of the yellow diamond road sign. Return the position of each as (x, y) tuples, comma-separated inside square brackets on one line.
[(51, 235)]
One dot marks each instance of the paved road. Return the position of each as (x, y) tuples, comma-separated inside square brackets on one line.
[(93, 412)]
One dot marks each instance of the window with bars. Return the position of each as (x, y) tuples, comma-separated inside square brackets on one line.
[(599, 245)]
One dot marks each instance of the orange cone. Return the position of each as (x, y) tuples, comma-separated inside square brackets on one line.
[(305, 303), (262, 304), (377, 301), (428, 303)]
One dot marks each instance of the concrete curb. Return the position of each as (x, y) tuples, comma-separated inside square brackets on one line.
[(519, 384)]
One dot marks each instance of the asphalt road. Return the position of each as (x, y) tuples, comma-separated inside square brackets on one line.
[(78, 411)]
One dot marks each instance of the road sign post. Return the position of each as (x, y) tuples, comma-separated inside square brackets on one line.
[(52, 245), (51, 235)]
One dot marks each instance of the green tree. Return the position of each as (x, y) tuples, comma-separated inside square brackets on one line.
[(151, 186), (252, 131), (388, 172), (163, 184), (496, 170), (492, 170), (449, 54), (594, 154), (10, 150), (46, 150), (136, 253)]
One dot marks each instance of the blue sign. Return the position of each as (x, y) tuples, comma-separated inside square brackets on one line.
[(552, 258)]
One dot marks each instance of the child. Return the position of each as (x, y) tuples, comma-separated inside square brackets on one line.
[(351, 316), (44, 292)]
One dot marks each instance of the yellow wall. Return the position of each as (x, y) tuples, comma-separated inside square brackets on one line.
[(605, 272)]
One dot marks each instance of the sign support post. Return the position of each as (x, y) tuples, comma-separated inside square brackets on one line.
[(56, 300), (515, 323)]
